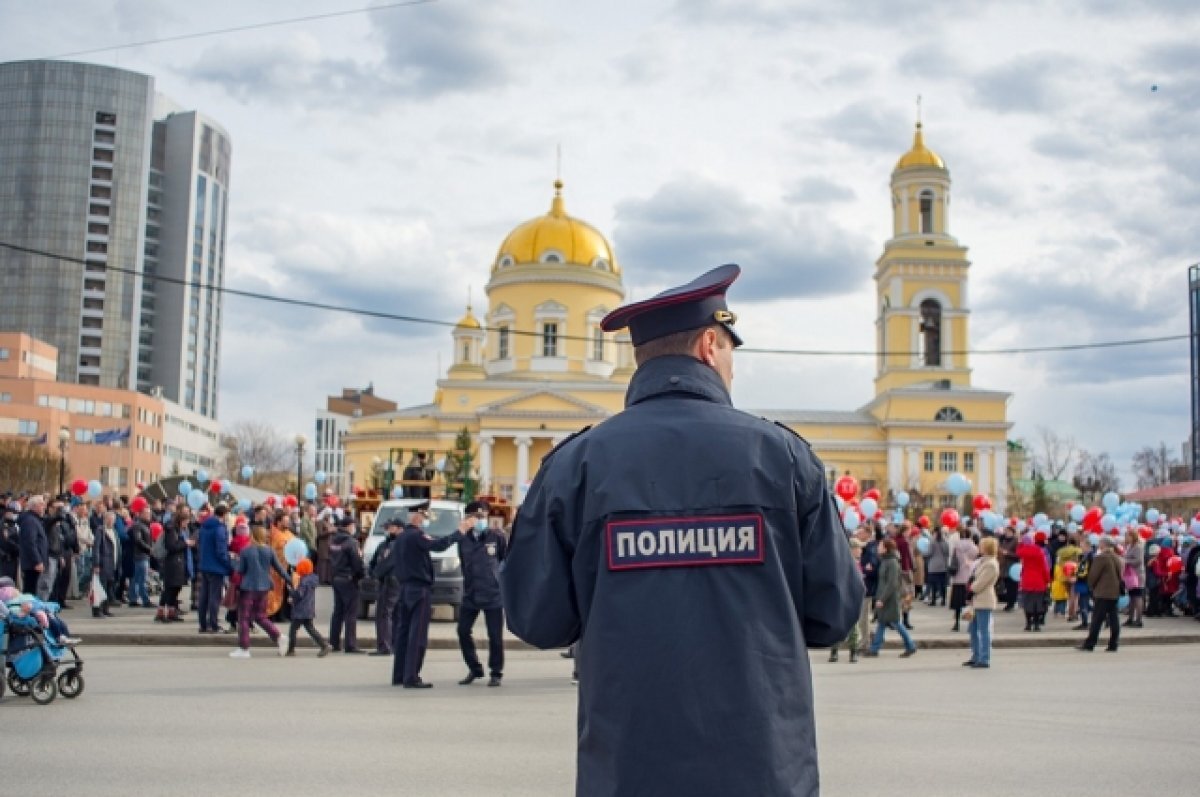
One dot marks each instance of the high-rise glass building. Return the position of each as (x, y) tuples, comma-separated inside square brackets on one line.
[(94, 166)]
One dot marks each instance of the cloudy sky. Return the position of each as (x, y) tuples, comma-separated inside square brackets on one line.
[(379, 159)]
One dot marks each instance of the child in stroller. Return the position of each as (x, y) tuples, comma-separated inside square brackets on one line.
[(35, 647), (44, 612)]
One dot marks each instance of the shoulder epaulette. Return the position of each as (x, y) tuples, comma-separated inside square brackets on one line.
[(569, 438), (791, 431)]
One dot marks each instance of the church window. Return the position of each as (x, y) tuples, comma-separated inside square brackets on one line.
[(969, 461), (502, 343), (552, 257), (506, 261), (948, 461), (929, 462), (597, 344), (931, 332), (466, 352), (926, 211), (550, 339), (601, 264), (949, 414)]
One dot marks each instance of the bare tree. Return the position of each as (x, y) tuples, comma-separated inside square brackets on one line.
[(259, 445), (1095, 475), (25, 466), (1054, 454), (1152, 465)]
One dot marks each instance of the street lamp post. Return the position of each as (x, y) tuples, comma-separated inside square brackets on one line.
[(64, 435), (300, 441)]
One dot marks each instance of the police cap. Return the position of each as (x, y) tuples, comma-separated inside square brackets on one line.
[(697, 304)]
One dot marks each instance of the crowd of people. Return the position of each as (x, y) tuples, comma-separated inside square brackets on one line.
[(1086, 578), (256, 568)]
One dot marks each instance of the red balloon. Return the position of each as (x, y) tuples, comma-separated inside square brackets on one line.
[(214, 487), (873, 493), (270, 500), (1091, 519), (923, 521), (155, 530), (1040, 537), (950, 518), (846, 487), (1174, 565), (1145, 532), (879, 514), (982, 502), (1069, 569), (138, 504), (79, 487), (331, 501), (289, 501)]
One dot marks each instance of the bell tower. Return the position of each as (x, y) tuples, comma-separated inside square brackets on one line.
[(921, 281)]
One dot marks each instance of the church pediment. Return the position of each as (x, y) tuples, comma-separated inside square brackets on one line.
[(542, 402)]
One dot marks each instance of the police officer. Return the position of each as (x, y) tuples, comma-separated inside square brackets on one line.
[(695, 553), (481, 550), (414, 569), (347, 566), (384, 572)]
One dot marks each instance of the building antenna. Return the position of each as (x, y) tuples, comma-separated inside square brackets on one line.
[(918, 110)]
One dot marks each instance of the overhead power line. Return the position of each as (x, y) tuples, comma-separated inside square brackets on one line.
[(409, 319), (239, 28)]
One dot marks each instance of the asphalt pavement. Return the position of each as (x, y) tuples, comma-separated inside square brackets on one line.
[(191, 721)]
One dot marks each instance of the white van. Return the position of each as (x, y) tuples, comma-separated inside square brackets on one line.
[(444, 517)]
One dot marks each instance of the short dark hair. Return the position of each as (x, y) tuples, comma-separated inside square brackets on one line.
[(221, 510), (675, 343)]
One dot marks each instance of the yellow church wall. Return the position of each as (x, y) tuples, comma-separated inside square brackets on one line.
[(581, 300), (913, 193)]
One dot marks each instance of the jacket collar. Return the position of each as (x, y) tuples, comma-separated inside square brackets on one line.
[(679, 375)]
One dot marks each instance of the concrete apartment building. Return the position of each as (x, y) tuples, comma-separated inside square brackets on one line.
[(334, 422)]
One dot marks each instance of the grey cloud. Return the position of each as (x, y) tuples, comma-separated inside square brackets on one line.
[(929, 61), (692, 224), (818, 190), (1068, 146), (445, 47), (870, 125), (1027, 84), (780, 16)]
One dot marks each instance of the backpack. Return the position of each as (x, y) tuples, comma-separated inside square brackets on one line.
[(158, 552)]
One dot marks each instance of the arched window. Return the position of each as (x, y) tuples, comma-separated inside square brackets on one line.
[(926, 211), (506, 261), (931, 332), (552, 256), (948, 415)]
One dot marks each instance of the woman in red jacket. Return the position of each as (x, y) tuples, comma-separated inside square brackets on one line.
[(1035, 580)]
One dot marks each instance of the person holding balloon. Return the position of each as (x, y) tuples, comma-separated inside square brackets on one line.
[(1066, 563), (281, 535), (1134, 577), (255, 564)]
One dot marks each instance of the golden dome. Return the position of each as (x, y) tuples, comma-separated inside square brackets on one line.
[(468, 321), (920, 155), (557, 238)]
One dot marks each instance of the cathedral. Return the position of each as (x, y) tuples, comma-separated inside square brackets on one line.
[(536, 367)]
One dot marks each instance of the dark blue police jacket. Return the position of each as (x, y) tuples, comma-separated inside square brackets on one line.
[(695, 553), (411, 562), (481, 558)]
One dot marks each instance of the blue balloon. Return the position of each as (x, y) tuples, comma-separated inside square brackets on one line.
[(957, 484), (185, 487), (1122, 603), (1077, 513), (1072, 527), (1040, 519), (397, 492), (295, 550), (244, 504), (310, 492), (841, 505), (319, 477), (1152, 516), (1108, 522), (202, 475), (95, 489), (1111, 501), (196, 499), (923, 546), (1094, 539), (869, 507), (247, 472), (1014, 572), (902, 499), (851, 520)]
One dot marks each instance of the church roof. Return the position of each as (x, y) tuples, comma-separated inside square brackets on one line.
[(920, 155)]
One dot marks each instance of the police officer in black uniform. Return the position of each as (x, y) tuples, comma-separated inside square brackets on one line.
[(384, 572), (481, 550), (347, 566), (414, 569), (695, 554)]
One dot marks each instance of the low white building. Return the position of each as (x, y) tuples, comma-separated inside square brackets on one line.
[(191, 441)]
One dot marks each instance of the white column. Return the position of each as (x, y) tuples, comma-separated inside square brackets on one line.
[(913, 477), (485, 463), (523, 444), (983, 468), (895, 466), (1000, 493)]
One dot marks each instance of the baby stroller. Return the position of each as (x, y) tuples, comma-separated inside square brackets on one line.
[(35, 663)]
